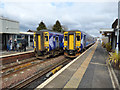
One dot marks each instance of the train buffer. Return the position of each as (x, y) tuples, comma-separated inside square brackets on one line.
[(88, 70)]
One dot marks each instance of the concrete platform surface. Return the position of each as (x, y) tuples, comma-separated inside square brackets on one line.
[(86, 71), (2, 53)]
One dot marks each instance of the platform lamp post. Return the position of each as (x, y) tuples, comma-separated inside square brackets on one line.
[(117, 47)]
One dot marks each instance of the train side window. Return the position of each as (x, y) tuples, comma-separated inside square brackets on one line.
[(46, 38), (53, 38), (57, 39), (78, 38), (65, 38)]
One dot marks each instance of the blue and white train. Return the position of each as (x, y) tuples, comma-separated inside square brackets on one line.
[(75, 42), (48, 43)]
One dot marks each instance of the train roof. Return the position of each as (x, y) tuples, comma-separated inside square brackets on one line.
[(50, 31), (73, 30), (80, 31), (76, 31)]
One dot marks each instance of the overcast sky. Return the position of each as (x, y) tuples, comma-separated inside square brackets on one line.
[(85, 16)]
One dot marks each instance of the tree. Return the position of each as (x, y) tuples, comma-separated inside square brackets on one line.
[(41, 26), (57, 26)]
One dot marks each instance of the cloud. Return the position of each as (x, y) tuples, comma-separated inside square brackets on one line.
[(62, 4), (85, 16)]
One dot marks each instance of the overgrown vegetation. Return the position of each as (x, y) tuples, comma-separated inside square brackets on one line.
[(108, 47), (116, 59), (103, 44)]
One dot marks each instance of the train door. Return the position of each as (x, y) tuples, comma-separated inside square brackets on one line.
[(71, 41), (46, 40), (57, 41), (39, 42), (34, 43)]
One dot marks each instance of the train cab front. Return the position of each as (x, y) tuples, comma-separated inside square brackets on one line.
[(41, 44), (72, 43)]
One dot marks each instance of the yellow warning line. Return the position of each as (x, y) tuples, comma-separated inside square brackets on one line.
[(77, 77)]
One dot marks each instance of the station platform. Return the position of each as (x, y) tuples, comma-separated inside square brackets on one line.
[(6, 53), (86, 71), (15, 56)]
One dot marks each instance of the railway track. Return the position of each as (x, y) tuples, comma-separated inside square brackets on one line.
[(17, 66), (42, 63), (7, 59), (27, 81), (18, 69)]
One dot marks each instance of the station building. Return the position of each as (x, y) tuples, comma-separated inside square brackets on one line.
[(10, 28), (111, 34)]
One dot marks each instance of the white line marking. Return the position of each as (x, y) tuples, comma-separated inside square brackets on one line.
[(56, 74), (116, 80), (15, 54), (113, 84), (97, 63)]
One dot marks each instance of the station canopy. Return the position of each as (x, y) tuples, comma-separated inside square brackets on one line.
[(106, 31)]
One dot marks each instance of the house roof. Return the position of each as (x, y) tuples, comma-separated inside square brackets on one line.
[(31, 30)]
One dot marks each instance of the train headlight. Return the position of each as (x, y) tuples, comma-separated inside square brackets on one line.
[(46, 47), (78, 46), (65, 46)]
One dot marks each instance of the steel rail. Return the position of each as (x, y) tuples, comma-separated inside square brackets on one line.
[(17, 64), (12, 58), (37, 75), (12, 69)]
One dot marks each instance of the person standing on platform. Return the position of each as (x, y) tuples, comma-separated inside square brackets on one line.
[(15, 45), (9, 44), (24, 43)]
